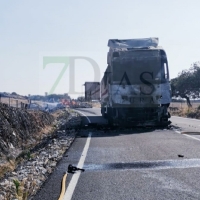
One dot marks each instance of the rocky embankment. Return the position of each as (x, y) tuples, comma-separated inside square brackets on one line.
[(31, 144)]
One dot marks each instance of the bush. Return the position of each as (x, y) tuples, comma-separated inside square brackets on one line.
[(14, 93)]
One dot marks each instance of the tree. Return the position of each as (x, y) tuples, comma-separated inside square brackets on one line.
[(187, 84), (14, 93)]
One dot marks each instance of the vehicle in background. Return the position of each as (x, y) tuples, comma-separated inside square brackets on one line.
[(92, 91), (85, 105)]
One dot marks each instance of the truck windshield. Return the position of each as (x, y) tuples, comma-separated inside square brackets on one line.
[(133, 67)]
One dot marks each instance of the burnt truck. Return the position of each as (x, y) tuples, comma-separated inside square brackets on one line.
[(135, 88)]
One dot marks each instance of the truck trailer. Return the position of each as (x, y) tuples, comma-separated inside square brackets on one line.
[(135, 88), (92, 91)]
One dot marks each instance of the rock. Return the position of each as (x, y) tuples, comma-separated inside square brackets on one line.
[(53, 164)]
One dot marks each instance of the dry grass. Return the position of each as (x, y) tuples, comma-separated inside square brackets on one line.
[(6, 166), (181, 109), (184, 104), (186, 112)]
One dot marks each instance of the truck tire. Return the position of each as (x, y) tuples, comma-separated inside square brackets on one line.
[(110, 121), (110, 117)]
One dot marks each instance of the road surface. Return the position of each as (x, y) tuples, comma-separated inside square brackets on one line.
[(130, 163)]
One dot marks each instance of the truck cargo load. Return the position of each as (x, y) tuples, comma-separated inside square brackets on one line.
[(133, 43)]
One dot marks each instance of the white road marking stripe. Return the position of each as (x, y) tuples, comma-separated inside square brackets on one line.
[(71, 187), (188, 135), (178, 132), (192, 137), (84, 115)]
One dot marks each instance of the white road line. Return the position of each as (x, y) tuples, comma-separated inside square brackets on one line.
[(192, 137), (188, 136), (71, 187), (178, 132), (84, 115)]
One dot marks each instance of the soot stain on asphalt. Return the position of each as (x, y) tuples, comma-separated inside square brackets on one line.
[(146, 165)]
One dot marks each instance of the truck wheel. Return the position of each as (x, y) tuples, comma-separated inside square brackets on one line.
[(110, 121), (110, 117)]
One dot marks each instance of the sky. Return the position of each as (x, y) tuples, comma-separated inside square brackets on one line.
[(57, 46)]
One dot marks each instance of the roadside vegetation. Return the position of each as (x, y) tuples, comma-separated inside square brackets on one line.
[(186, 112), (186, 86)]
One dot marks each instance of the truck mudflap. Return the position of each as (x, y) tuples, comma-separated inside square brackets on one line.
[(154, 116)]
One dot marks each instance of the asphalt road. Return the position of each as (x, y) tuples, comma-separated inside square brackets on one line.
[(130, 163)]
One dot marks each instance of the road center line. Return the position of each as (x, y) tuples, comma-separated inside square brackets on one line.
[(188, 136), (192, 137), (71, 187), (84, 115)]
